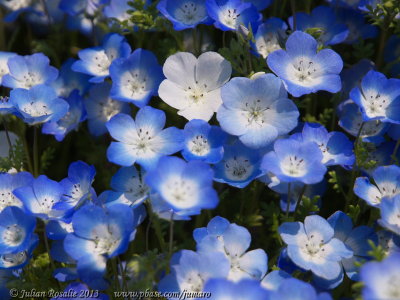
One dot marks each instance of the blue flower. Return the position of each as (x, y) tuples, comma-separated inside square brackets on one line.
[(380, 278), (57, 230), (142, 140), (19, 259), (336, 148), (135, 78), (184, 14), (295, 289), (10, 182), (68, 81), (322, 17), (38, 104), (355, 22), (268, 36), (98, 235), (387, 184), (356, 239), (75, 115), (257, 110), (246, 289), (118, 9), (40, 196), (77, 187), (97, 60), (28, 71), (4, 56), (100, 108), (184, 186), (129, 187), (203, 142), (351, 120), (230, 14), (193, 85), (164, 211), (390, 213), (239, 166), (77, 7), (294, 160), (312, 246), (302, 69), (378, 97), (16, 230), (233, 241), (273, 280), (389, 241), (351, 77), (191, 270)]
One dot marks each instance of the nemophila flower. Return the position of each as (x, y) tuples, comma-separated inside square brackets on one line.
[(351, 77), (129, 187), (77, 187), (312, 246), (256, 110), (18, 260), (58, 230), (184, 14), (4, 56), (390, 214), (378, 97), (193, 85), (355, 22), (16, 230), (184, 186), (97, 60), (332, 32), (10, 182), (117, 9), (239, 165), (98, 235), (77, 288), (135, 78), (356, 239), (295, 289), (142, 140), (28, 71), (294, 160), (273, 280), (38, 105), (40, 196), (351, 120), (268, 35), (222, 289), (100, 108), (389, 242), (381, 278), (76, 114), (303, 69), (230, 14), (69, 80), (203, 142), (163, 210), (191, 270), (233, 241), (336, 148), (76, 7), (387, 184)]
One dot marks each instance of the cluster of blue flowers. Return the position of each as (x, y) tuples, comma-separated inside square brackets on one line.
[(289, 139)]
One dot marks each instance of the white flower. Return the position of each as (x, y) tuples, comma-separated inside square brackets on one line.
[(193, 85)]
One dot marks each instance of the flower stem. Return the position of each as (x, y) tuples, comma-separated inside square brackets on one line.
[(171, 234), (393, 158), (11, 151), (46, 243)]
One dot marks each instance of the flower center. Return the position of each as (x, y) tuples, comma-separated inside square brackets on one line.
[(8, 199), (13, 259), (267, 44), (255, 113), (13, 235), (101, 63), (313, 246), (137, 84), (238, 168), (230, 18), (194, 282), (376, 103), (108, 109), (199, 145), (293, 166), (31, 79), (189, 13), (36, 109), (179, 190), (304, 71)]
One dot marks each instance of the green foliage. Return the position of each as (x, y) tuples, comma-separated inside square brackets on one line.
[(46, 158), (334, 181), (323, 118), (144, 18), (377, 251), (363, 49), (354, 212), (307, 206), (15, 160), (362, 152), (384, 14)]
